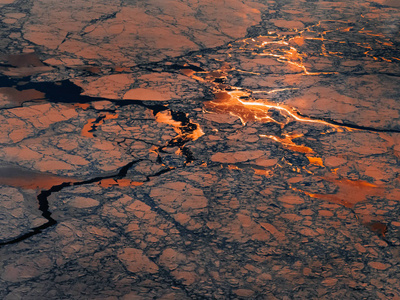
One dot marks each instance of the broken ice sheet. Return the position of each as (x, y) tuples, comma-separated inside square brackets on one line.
[(200, 149)]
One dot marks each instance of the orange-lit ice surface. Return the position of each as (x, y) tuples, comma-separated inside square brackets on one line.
[(169, 149)]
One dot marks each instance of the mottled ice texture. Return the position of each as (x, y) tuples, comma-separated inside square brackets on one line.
[(199, 149)]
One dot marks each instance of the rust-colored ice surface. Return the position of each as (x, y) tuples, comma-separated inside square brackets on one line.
[(18, 177), (166, 149)]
